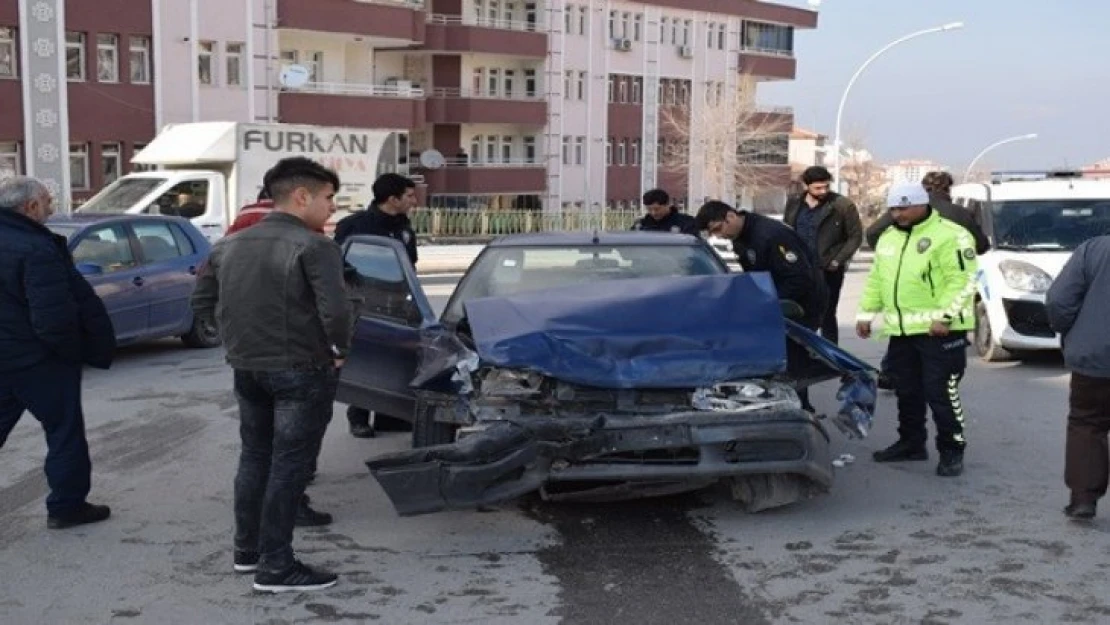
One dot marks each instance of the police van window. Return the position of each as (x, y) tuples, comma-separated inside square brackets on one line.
[(1048, 225), (381, 284)]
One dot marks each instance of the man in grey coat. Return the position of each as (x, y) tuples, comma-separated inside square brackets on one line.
[(1078, 307)]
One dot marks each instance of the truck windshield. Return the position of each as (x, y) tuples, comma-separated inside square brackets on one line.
[(121, 195), (1049, 225)]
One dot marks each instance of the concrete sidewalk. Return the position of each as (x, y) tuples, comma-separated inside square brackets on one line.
[(441, 259)]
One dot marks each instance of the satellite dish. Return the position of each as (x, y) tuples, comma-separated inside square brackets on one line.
[(294, 76), (432, 159)]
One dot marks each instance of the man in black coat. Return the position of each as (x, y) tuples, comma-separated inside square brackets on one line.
[(394, 197), (662, 217), (51, 323)]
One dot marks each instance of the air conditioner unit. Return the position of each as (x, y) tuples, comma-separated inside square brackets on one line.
[(686, 52), (622, 44)]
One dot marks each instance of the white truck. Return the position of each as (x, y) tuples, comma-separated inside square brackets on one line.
[(207, 171)]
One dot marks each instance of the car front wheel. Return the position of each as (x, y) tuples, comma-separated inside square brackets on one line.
[(202, 335), (985, 345)]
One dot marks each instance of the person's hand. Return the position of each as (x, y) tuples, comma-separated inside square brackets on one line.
[(863, 329), (339, 362), (939, 328)]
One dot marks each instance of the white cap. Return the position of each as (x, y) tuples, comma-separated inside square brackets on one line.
[(907, 194)]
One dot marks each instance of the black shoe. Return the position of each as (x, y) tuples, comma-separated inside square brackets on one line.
[(951, 464), (901, 452), (362, 430), (885, 383), (246, 561), (87, 513), (307, 517), (1081, 511), (296, 578)]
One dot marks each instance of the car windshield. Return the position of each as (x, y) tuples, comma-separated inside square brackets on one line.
[(65, 230), (1049, 225), (508, 270), (121, 195)]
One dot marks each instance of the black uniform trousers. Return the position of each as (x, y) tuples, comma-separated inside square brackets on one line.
[(929, 370)]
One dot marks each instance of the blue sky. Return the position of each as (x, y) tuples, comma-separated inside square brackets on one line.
[(1017, 67)]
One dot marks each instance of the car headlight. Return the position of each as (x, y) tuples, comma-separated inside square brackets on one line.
[(1023, 276)]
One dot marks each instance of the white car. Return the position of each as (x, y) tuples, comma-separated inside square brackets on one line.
[(1034, 222)]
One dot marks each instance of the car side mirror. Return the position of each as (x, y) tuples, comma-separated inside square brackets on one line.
[(792, 310), (89, 269)]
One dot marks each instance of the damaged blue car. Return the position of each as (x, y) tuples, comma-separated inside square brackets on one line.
[(594, 366)]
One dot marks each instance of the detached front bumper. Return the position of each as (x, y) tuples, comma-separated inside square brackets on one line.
[(509, 459)]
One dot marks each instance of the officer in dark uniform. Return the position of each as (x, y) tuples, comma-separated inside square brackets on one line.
[(662, 217), (765, 244), (387, 216)]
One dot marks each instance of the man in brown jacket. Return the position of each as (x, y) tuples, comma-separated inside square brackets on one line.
[(829, 224)]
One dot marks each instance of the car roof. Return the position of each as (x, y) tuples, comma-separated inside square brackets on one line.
[(588, 238), (85, 220), (1058, 189)]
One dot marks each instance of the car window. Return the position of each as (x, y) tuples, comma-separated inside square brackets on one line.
[(381, 285), (184, 243), (157, 242), (107, 247), (510, 270), (1049, 225), (186, 199)]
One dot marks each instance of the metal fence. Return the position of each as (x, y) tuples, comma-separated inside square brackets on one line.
[(463, 223)]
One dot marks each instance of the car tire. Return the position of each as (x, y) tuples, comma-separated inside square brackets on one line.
[(985, 346), (426, 431), (201, 335)]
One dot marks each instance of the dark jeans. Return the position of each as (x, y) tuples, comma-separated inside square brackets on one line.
[(929, 370), (51, 391), (830, 328), (282, 419), (1086, 464)]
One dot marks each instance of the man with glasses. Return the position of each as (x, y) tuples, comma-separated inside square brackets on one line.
[(923, 284)]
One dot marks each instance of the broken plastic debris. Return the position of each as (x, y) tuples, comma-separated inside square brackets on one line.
[(463, 371)]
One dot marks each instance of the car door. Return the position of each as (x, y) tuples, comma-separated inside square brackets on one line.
[(105, 256), (393, 313), (168, 272)]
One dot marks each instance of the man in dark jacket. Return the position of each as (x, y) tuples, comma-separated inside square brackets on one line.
[(765, 244), (394, 197), (1078, 305), (276, 293), (829, 224), (51, 322), (662, 217), (938, 184)]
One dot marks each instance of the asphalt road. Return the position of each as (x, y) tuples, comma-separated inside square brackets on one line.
[(890, 544)]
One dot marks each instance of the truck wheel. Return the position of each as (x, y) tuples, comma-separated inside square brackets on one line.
[(985, 346), (202, 335), (426, 431)]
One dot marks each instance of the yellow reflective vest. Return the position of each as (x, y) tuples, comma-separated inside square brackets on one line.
[(922, 275)]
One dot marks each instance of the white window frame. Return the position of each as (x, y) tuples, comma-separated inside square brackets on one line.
[(138, 56), (530, 16), (568, 11), (507, 83), (612, 24), (79, 155), (722, 35), (579, 150), (508, 14), (11, 159), (233, 63), (637, 26), (493, 82), (107, 57), (491, 148), (638, 90), (568, 78), (622, 90), (622, 152), (530, 152), (626, 25), (315, 66), (687, 32), (79, 47), (531, 86), (110, 152), (478, 80), (9, 47), (566, 150), (476, 151), (634, 153), (506, 149), (580, 86), (612, 89), (206, 55), (663, 29), (583, 11), (608, 151)]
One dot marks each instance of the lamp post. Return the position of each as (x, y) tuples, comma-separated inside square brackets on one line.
[(844, 97), (971, 167)]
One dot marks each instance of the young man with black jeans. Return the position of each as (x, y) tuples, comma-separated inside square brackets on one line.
[(829, 224), (394, 197), (276, 293)]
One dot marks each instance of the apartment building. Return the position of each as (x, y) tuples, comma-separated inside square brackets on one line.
[(546, 103), (911, 170)]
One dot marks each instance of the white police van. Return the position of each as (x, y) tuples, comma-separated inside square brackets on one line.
[(1034, 221)]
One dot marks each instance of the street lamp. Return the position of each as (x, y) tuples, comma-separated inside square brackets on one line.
[(971, 167), (844, 97)]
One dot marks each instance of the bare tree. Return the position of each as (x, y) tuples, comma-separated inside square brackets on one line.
[(734, 140), (866, 179)]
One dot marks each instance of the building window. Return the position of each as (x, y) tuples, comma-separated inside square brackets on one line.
[(663, 29), (530, 15), (492, 13), (568, 78), (508, 85), (622, 90), (771, 38), (234, 54), (509, 14), (622, 152), (568, 15), (75, 56), (530, 83), (637, 26), (634, 152), (579, 150), (583, 11), (674, 31), (289, 57), (9, 55), (684, 93), (710, 33), (477, 80), (612, 24), (476, 149), (722, 30), (315, 66), (79, 166), (506, 149), (580, 86), (687, 32), (493, 82), (609, 151), (491, 149), (111, 162), (612, 89), (139, 48), (529, 149), (107, 58), (638, 90), (205, 52), (11, 164), (566, 150), (626, 25)]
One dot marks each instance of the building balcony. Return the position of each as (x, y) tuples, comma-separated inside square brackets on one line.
[(399, 107), (502, 177), (768, 64), (471, 34), (391, 19), (759, 10), (773, 118), (464, 106)]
